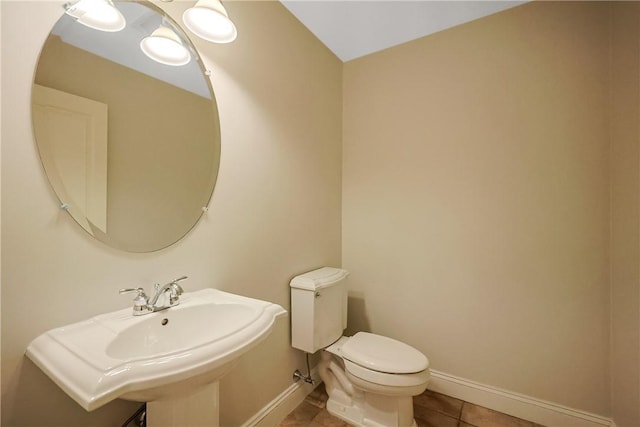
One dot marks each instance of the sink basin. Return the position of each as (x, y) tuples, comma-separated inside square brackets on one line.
[(173, 331), (155, 356)]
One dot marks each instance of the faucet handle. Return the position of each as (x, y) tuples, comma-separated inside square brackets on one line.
[(139, 302), (175, 291), (175, 281), (140, 291), (175, 287)]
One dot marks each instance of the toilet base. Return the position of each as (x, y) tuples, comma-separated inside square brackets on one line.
[(367, 414)]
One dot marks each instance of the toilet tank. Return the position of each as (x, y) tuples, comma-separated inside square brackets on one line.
[(318, 308)]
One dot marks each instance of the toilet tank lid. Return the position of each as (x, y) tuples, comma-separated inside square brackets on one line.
[(318, 279)]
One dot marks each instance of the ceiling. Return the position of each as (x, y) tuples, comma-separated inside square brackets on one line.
[(354, 28)]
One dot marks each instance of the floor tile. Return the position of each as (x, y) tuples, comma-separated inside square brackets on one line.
[(426, 417), (301, 416), (439, 402), (325, 419), (483, 417)]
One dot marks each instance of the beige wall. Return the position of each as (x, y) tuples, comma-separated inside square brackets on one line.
[(275, 211), (476, 199), (625, 214)]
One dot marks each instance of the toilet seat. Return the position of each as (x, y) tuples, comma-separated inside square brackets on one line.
[(383, 354), (382, 360)]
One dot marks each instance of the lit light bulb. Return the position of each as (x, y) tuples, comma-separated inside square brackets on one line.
[(164, 46), (97, 14), (209, 20)]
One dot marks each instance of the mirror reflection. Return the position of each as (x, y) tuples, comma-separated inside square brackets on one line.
[(130, 145)]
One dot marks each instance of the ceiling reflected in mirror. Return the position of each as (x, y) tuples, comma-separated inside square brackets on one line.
[(123, 47), (208, 19)]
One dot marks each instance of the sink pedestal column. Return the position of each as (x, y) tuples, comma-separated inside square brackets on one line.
[(198, 409)]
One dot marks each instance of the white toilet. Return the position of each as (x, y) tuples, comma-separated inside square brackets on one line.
[(370, 379)]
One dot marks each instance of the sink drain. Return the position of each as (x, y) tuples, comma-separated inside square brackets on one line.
[(164, 321)]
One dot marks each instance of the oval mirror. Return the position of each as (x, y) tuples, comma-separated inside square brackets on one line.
[(131, 146)]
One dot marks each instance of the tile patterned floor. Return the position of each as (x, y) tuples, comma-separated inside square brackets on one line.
[(430, 410)]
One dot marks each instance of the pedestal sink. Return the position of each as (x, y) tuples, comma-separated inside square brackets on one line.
[(164, 356)]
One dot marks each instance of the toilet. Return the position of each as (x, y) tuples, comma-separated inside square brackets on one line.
[(370, 379)]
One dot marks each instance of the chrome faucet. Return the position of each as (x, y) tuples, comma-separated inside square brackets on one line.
[(174, 290), (145, 305)]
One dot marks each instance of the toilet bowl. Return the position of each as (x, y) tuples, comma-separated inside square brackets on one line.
[(370, 379)]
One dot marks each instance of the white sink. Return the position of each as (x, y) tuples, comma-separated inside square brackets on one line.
[(155, 356)]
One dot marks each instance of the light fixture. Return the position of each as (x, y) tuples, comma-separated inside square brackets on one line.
[(97, 14), (209, 20), (164, 46)]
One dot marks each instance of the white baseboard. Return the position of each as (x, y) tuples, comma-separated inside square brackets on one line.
[(278, 409), (525, 407)]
